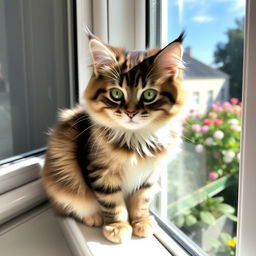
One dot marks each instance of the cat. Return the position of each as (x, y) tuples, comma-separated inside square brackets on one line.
[(104, 158)]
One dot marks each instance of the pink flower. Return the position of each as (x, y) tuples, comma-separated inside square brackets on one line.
[(196, 127), (235, 127), (204, 129), (212, 114), (213, 175), (226, 104), (218, 135), (216, 107), (191, 111), (208, 121), (229, 109), (234, 100), (218, 121)]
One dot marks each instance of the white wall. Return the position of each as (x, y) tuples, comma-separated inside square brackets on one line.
[(203, 86)]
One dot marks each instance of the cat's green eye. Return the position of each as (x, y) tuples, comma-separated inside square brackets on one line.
[(149, 95), (116, 94)]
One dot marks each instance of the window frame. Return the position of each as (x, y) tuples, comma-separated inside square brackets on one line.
[(247, 189)]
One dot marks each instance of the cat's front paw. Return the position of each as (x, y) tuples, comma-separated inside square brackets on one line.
[(143, 227), (95, 220), (118, 232)]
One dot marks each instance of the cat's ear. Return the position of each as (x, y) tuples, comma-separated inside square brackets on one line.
[(169, 60), (102, 56)]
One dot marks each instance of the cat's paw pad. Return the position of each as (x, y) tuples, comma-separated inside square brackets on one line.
[(118, 232), (143, 227), (95, 220)]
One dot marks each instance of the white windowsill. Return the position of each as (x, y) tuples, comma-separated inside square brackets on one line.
[(84, 240), (20, 172), (24, 191)]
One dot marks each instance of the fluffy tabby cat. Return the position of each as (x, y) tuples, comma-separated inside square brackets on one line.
[(103, 159)]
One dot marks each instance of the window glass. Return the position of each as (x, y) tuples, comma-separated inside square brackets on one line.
[(34, 77), (196, 97), (200, 196), (210, 98)]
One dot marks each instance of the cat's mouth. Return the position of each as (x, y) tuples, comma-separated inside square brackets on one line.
[(132, 122)]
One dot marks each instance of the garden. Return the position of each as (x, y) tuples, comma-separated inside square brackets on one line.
[(203, 180)]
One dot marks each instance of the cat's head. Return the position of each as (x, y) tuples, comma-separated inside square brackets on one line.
[(135, 90)]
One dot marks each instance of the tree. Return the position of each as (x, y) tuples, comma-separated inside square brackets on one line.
[(230, 57)]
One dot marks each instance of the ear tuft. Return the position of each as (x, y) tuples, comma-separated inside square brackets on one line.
[(169, 59), (181, 37), (102, 56)]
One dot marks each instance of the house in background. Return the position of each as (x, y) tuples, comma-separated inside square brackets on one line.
[(204, 84)]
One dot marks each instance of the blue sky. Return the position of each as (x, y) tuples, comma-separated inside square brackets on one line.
[(205, 22)]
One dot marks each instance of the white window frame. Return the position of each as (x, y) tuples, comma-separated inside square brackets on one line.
[(27, 178), (247, 188)]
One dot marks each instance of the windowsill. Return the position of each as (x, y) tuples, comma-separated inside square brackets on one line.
[(84, 240)]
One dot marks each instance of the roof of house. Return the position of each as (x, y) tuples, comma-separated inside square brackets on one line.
[(196, 69)]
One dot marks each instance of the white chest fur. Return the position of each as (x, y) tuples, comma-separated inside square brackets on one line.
[(137, 172), (135, 175)]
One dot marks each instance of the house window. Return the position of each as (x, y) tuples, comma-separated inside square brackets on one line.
[(223, 94), (196, 97), (199, 188), (210, 98), (34, 73)]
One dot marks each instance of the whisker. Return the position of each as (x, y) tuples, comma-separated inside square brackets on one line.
[(84, 131), (182, 136), (80, 119)]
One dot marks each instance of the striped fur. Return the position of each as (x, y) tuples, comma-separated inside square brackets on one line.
[(103, 161)]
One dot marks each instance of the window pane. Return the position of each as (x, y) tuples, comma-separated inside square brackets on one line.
[(196, 98), (203, 180), (34, 77)]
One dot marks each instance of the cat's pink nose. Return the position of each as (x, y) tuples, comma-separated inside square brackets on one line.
[(131, 114)]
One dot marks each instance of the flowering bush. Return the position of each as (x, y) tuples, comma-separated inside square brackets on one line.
[(217, 134)]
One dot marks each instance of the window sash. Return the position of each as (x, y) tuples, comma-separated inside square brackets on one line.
[(247, 189), (20, 185)]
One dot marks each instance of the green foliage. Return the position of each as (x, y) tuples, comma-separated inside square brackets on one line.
[(205, 213), (225, 208), (207, 217), (230, 57), (226, 245), (190, 220)]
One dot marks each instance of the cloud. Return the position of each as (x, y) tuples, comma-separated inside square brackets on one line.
[(202, 18), (238, 5)]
